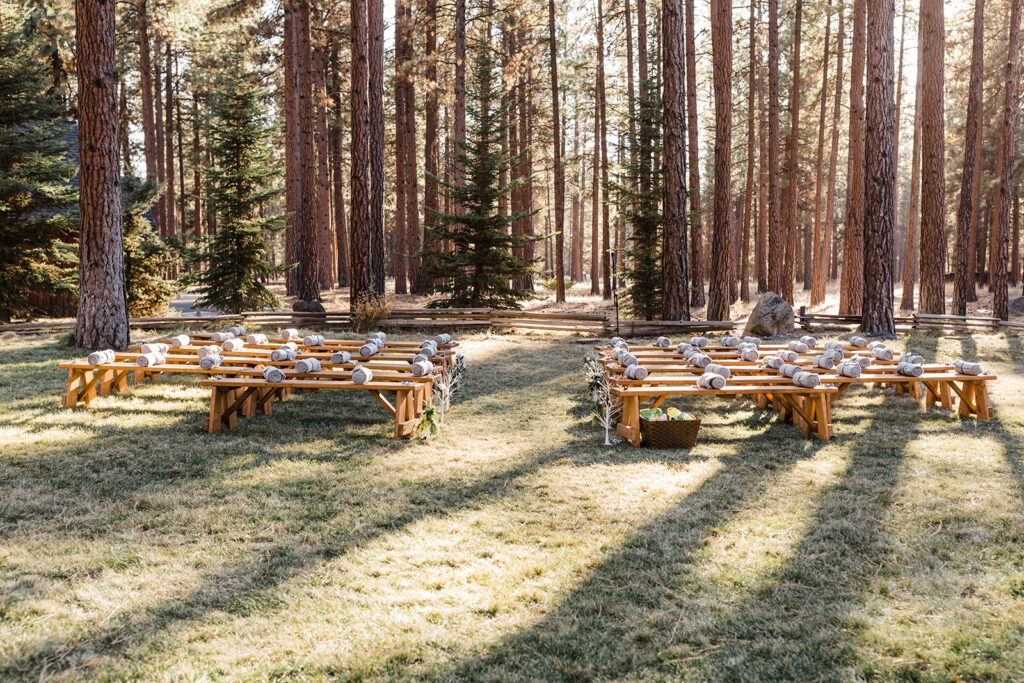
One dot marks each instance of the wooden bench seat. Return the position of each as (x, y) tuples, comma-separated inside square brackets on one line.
[(231, 397), (810, 409)]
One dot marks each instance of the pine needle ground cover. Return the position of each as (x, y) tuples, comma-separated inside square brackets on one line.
[(309, 545)]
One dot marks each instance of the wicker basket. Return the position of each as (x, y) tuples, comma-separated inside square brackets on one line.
[(669, 433)]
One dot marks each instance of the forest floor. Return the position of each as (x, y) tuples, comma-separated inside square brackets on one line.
[(307, 544)]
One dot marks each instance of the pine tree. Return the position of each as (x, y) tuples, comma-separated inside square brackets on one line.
[(478, 269), (146, 256), (37, 226), (239, 183)]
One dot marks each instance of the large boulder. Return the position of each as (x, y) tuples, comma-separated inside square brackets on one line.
[(771, 317), (1017, 305), (308, 307)]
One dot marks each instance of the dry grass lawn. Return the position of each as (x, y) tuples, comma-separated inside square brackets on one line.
[(514, 546)]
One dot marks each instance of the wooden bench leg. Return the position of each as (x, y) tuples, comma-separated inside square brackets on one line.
[(966, 394), (69, 399), (90, 378), (945, 400), (217, 399), (629, 420), (405, 420), (984, 412), (121, 381), (106, 383), (823, 414)]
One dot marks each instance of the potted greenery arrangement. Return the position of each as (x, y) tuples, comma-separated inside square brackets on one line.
[(669, 428)]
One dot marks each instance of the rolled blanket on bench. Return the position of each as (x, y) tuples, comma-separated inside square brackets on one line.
[(148, 360), (798, 347), (699, 342), (257, 339), (663, 342), (835, 354), (683, 348), (361, 374), (833, 345), (221, 337), (690, 353), (809, 340), (863, 361), (824, 362), (788, 355), (368, 349), (615, 341), (848, 369), (155, 347), (875, 344), (756, 341), (444, 338), (210, 362), (730, 341), (719, 370), (749, 354), (273, 374), (179, 341), (911, 358), (773, 362), (237, 330), (282, 354), (636, 372), (209, 350), (308, 365), (700, 360), (341, 357), (909, 369), (964, 368), (859, 342), (628, 359), (790, 370), (379, 335), (313, 340), (710, 380), (422, 368), (881, 353), (428, 351), (101, 357), (235, 344), (807, 380), (290, 333)]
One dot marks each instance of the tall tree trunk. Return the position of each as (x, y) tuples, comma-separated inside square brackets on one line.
[(323, 170), (1015, 244), (851, 292), (630, 84), (933, 154), (595, 236), (158, 107), (602, 118), (102, 316), (776, 238), (197, 171), (721, 49), (293, 149), (400, 153), (170, 214), (910, 260), (880, 172), (146, 91), (337, 177), (460, 84), (751, 142), (820, 256), (308, 238), (761, 251), (526, 149), (675, 278), (431, 138), (1001, 232), (792, 162), (413, 242), (696, 211), (375, 95), (559, 171), (973, 255), (362, 283)]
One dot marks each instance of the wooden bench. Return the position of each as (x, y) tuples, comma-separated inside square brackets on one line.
[(810, 409), (231, 397)]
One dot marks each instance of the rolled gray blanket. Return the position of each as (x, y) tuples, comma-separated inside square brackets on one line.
[(636, 372), (313, 340), (148, 360), (749, 355), (101, 357), (428, 342), (155, 347), (272, 374), (710, 380), (290, 333), (730, 341), (210, 362), (307, 365), (833, 345), (824, 362), (290, 345), (422, 368), (237, 330), (621, 345), (430, 351), (756, 341), (663, 342), (848, 369), (719, 370), (876, 344), (628, 359), (911, 358), (807, 380), (909, 369), (790, 370), (221, 337), (179, 341), (235, 344), (859, 342), (700, 360), (699, 342), (257, 339), (444, 338), (798, 347), (683, 348), (368, 349), (209, 350), (835, 354), (361, 374), (773, 362), (965, 368), (882, 353), (615, 341), (379, 335), (341, 357), (809, 340), (863, 361), (788, 355), (282, 354), (690, 353)]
